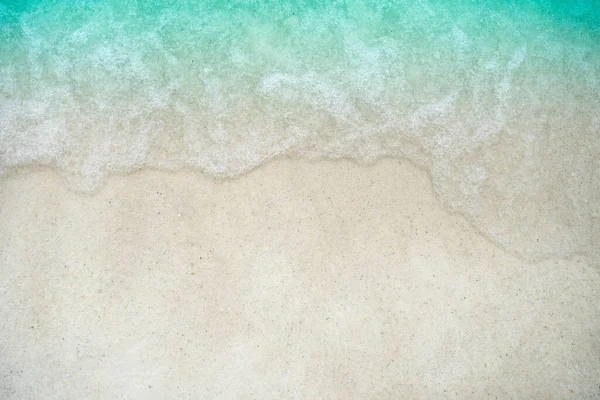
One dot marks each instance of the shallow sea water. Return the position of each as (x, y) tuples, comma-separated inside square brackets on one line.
[(499, 102)]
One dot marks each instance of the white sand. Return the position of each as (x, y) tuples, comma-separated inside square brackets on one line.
[(307, 280)]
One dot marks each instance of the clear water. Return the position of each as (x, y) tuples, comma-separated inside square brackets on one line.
[(498, 100)]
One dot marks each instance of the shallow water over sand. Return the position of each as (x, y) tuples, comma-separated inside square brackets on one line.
[(498, 102)]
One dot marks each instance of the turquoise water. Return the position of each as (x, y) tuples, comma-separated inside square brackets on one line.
[(498, 100)]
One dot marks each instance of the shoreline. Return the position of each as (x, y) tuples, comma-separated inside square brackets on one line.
[(299, 279), (196, 174)]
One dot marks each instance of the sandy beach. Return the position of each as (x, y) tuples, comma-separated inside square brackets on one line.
[(304, 280), (299, 200)]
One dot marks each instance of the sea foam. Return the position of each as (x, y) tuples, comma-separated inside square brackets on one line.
[(499, 102)]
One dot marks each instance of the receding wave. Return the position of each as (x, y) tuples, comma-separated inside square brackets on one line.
[(500, 102)]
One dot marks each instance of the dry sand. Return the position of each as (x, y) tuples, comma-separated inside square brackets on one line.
[(312, 280)]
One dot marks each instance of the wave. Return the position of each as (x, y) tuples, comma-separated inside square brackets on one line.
[(499, 102)]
